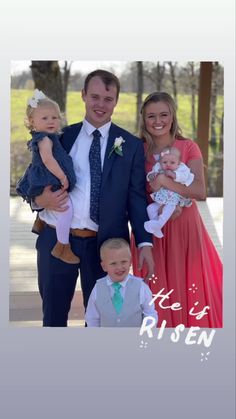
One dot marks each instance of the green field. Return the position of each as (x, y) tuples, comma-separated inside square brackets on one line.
[(124, 114)]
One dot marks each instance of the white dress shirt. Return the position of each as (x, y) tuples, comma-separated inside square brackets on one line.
[(80, 195), (92, 317)]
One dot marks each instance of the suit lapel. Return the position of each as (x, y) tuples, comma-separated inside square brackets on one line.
[(70, 135), (108, 161)]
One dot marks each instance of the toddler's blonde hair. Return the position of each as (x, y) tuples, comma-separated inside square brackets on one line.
[(41, 103)]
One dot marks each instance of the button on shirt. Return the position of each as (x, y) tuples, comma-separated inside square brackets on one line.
[(92, 316), (80, 195)]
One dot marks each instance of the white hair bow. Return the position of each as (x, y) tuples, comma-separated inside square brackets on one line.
[(163, 153), (38, 95)]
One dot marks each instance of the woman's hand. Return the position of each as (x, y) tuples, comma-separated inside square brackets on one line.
[(55, 201), (157, 183), (170, 173), (177, 212)]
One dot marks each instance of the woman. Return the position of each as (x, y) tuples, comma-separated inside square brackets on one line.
[(188, 270)]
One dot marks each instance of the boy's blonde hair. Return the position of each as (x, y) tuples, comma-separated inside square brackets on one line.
[(41, 103), (114, 243)]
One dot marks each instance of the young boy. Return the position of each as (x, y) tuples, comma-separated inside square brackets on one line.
[(119, 299)]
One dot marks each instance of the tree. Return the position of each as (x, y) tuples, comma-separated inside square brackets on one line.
[(139, 91), (221, 143), (190, 77), (160, 72), (49, 78), (214, 93), (193, 93), (173, 80)]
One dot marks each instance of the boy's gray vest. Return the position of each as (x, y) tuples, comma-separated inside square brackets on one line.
[(131, 312)]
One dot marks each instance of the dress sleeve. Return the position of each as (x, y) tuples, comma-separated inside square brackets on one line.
[(193, 152), (38, 136)]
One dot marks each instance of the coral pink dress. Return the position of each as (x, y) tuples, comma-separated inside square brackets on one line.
[(186, 262)]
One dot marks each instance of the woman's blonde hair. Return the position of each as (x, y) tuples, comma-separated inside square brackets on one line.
[(41, 103), (175, 130)]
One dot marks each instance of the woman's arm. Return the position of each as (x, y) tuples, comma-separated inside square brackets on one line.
[(197, 188), (45, 151)]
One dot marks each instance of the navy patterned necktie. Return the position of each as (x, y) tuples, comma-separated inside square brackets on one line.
[(95, 176)]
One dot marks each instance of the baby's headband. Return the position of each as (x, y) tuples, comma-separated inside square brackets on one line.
[(163, 153), (38, 95)]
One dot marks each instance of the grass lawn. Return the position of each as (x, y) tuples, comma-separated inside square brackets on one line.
[(124, 115)]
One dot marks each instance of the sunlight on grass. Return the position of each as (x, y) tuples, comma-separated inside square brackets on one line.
[(124, 114)]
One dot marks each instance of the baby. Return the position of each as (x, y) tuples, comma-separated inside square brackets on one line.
[(166, 200)]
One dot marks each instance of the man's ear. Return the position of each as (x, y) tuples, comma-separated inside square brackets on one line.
[(83, 94)]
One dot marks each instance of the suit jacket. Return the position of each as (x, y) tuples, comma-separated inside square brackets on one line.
[(123, 196)]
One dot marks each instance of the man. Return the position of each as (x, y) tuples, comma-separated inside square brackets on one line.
[(121, 199)]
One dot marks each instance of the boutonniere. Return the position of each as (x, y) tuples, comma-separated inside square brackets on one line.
[(117, 147)]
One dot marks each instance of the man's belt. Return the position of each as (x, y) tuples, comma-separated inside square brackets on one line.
[(77, 232)]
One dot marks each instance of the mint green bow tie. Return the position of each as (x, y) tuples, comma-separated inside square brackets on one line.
[(117, 298)]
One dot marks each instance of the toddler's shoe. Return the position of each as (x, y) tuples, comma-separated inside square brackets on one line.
[(153, 227), (63, 252)]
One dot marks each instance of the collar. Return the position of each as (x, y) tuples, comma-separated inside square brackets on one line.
[(122, 283), (104, 129)]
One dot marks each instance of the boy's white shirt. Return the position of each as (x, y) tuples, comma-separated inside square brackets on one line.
[(92, 317)]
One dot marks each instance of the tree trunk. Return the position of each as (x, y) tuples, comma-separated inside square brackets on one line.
[(139, 91), (48, 78), (160, 71), (213, 103), (173, 80), (193, 91), (221, 144)]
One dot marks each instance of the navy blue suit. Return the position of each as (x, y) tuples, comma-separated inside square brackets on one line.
[(122, 199)]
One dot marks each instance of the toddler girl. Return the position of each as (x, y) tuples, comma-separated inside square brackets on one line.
[(165, 200), (50, 165)]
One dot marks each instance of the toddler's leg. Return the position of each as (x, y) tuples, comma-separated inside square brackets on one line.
[(152, 210), (62, 249), (63, 223), (154, 226), (167, 212)]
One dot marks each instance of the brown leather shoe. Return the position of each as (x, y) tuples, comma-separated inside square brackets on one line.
[(63, 252)]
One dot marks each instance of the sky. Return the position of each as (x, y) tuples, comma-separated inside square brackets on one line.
[(18, 67)]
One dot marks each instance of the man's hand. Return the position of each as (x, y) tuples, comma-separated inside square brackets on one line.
[(145, 257), (54, 201)]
